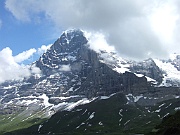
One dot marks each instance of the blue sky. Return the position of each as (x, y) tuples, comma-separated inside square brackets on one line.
[(21, 36)]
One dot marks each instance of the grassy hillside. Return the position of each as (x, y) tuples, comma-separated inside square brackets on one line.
[(107, 116), (170, 125), (20, 120)]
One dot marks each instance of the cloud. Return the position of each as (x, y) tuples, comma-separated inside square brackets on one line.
[(137, 29), (24, 55), (23, 11), (35, 70), (43, 49), (11, 70), (98, 42), (11, 67), (65, 68), (31, 55)]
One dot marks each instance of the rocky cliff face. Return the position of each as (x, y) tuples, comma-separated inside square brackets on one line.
[(85, 74), (176, 61), (148, 68)]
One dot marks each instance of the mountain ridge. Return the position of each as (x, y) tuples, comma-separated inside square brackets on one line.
[(73, 74), (70, 64)]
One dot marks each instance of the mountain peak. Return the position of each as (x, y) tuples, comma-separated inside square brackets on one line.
[(70, 34), (69, 39), (64, 51), (73, 32)]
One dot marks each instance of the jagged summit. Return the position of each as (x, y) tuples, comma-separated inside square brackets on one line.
[(72, 33), (64, 51), (69, 40)]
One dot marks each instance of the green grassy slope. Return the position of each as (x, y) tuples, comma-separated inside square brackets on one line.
[(108, 116), (20, 120), (170, 125)]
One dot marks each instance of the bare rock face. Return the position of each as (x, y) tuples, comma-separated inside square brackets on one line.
[(86, 75), (176, 62), (148, 68), (66, 50)]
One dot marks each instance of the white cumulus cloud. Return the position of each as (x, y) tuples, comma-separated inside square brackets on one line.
[(43, 49), (24, 55), (98, 42), (35, 70), (10, 69)]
